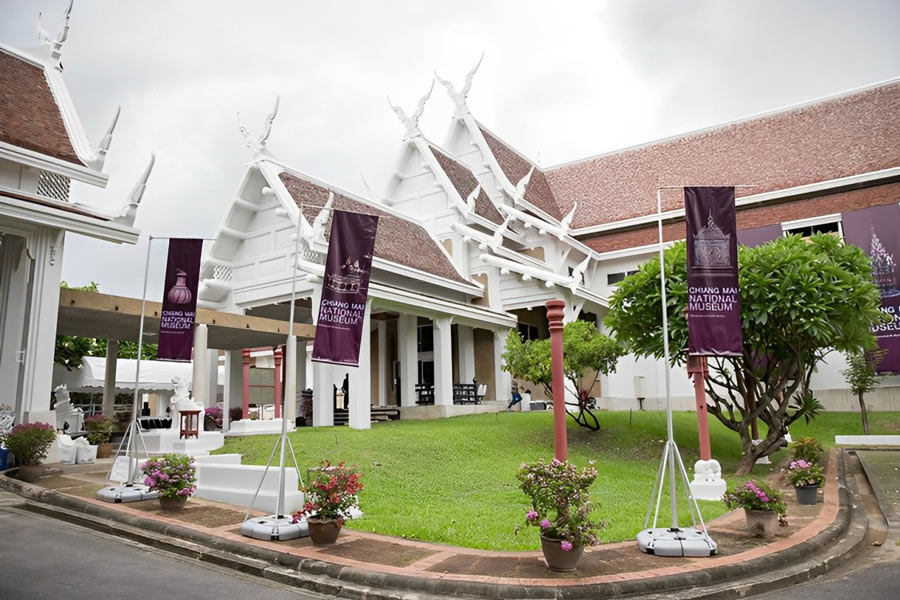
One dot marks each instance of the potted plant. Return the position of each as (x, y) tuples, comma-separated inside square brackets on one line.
[(329, 496), (809, 449), (29, 443), (99, 431), (212, 419), (763, 507), (174, 476), (806, 477), (561, 508)]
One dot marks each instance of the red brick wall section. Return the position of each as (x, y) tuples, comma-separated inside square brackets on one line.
[(757, 217)]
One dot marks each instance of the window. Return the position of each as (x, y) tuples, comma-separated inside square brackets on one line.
[(425, 338), (528, 332), (426, 372), (833, 228), (614, 278)]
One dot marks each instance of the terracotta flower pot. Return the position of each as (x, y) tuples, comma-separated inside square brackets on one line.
[(172, 504), (30, 473), (323, 532), (807, 494), (559, 559), (761, 523), (104, 450)]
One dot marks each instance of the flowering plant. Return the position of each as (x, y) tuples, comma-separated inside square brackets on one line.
[(99, 429), (331, 492), (30, 442), (172, 475), (809, 449), (213, 414), (802, 473), (560, 502), (757, 496)]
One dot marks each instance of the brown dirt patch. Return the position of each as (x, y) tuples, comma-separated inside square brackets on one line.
[(198, 514), (379, 552), (59, 482)]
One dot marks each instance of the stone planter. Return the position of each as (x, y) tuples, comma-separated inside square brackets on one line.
[(172, 504), (30, 473), (761, 523), (323, 532), (558, 559), (807, 494), (104, 450)]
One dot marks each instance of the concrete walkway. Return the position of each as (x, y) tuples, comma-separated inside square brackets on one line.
[(376, 566)]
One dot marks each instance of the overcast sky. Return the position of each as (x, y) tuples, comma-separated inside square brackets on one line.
[(560, 81)]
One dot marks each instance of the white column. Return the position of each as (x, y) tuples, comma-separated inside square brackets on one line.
[(502, 381), (14, 272), (443, 362), (323, 398), (234, 374), (361, 378), (290, 381), (212, 377), (408, 354), (466, 353), (384, 375), (41, 336), (109, 380), (199, 384)]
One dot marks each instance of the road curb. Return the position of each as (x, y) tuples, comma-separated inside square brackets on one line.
[(836, 543)]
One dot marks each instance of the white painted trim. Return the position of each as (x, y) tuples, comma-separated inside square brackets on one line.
[(73, 124), (784, 194), (636, 250), (60, 219), (811, 221), (44, 162)]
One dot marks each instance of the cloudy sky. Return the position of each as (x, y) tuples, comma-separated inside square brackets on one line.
[(560, 81)]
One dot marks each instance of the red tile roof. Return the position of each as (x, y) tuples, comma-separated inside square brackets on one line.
[(515, 167), (29, 115), (848, 135), (398, 240), (465, 181)]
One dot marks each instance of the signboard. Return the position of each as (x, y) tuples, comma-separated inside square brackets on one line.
[(176, 323)]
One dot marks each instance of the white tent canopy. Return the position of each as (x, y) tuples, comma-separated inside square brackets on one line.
[(156, 375)]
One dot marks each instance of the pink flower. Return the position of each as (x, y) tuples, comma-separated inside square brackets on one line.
[(531, 515), (546, 524), (565, 545)]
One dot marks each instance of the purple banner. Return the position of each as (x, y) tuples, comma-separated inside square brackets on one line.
[(757, 236), (176, 323), (714, 307), (345, 288), (877, 231)]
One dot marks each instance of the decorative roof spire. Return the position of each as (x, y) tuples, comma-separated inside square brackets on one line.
[(459, 97), (129, 211), (258, 145), (519, 193), (105, 142), (56, 43), (412, 122)]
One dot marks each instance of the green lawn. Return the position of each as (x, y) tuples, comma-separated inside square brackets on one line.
[(453, 480)]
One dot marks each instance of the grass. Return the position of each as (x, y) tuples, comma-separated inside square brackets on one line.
[(453, 481)]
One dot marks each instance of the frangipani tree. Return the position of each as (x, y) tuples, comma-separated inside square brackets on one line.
[(800, 299)]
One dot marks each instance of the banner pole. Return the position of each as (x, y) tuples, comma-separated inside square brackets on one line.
[(137, 369)]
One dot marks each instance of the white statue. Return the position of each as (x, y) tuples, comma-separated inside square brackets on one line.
[(181, 401), (257, 145), (68, 418), (412, 122), (7, 418), (459, 97)]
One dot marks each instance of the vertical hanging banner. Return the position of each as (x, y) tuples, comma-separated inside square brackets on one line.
[(179, 305), (877, 231), (345, 288), (714, 307)]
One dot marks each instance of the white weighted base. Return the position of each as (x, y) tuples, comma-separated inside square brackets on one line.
[(708, 483), (126, 493), (274, 528), (676, 542)]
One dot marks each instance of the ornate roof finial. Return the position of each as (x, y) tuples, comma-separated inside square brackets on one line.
[(105, 142), (56, 43), (566, 223), (459, 97), (412, 122), (519, 193), (258, 145), (129, 211)]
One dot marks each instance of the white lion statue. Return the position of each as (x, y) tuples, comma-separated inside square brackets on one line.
[(180, 401)]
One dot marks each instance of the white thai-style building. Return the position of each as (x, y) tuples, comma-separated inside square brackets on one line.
[(43, 152), (474, 238)]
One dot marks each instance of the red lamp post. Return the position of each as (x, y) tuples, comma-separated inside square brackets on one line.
[(555, 315)]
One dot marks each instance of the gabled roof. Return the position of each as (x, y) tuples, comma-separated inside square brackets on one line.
[(464, 181), (30, 117), (399, 239), (851, 134), (515, 167)]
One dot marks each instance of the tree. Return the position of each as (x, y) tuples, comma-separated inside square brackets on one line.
[(862, 378), (800, 298), (586, 352)]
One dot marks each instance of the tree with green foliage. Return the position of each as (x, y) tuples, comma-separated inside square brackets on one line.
[(70, 348), (862, 377), (800, 298), (586, 352)]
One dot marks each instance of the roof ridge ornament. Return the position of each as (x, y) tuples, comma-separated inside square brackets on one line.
[(56, 43), (103, 146), (411, 122), (566, 222), (316, 232), (519, 194), (258, 145), (459, 97), (129, 211)]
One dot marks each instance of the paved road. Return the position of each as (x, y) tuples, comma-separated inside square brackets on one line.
[(44, 558)]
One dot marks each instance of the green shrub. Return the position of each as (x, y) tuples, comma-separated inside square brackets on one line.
[(30, 442), (808, 449), (99, 429)]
